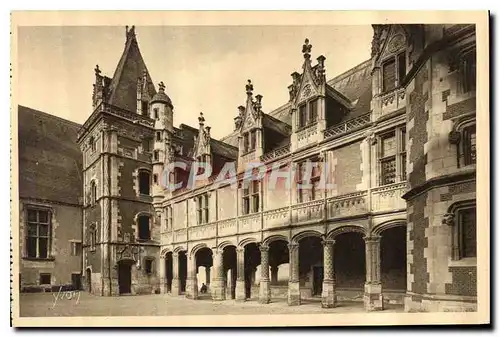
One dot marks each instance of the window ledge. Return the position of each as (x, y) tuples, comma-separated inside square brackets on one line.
[(48, 259), (464, 262)]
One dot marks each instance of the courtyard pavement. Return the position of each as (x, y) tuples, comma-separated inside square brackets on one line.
[(44, 304)]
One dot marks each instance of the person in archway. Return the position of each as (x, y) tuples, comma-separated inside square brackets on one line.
[(203, 288)]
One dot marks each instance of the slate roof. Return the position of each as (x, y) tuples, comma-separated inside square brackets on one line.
[(123, 87), (50, 161)]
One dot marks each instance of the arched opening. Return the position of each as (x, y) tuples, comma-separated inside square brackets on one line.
[(169, 271), (125, 276), (182, 271), (204, 263), (393, 259), (310, 266), (252, 261), (279, 268), (229, 263), (88, 279), (349, 265)]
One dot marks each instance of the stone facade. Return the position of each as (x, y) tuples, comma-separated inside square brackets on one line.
[(391, 137)]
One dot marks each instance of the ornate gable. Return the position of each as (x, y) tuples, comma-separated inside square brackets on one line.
[(388, 40), (251, 114), (312, 81), (202, 141)]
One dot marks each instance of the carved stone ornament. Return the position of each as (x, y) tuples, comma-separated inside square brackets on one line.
[(454, 137), (306, 91), (449, 219), (396, 43)]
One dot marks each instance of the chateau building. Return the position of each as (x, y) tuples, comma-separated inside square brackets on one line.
[(50, 202), (394, 139)]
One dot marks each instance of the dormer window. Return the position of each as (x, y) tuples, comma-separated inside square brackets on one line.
[(393, 72), (308, 113), (249, 141)]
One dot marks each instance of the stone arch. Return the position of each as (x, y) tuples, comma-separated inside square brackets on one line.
[(246, 241), (164, 252), (273, 238), (377, 230), (297, 237), (226, 243), (179, 249), (346, 229), (197, 247)]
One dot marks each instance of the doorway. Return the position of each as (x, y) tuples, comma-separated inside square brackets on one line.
[(76, 281), (125, 277), (317, 280)]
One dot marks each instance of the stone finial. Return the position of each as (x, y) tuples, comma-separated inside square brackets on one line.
[(241, 110), (249, 88), (306, 49), (258, 102), (207, 130), (321, 62), (201, 119), (129, 33), (97, 70), (161, 86), (237, 122), (295, 77)]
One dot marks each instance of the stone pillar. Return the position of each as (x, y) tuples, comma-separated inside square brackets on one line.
[(274, 274), (293, 281), (207, 277), (240, 293), (264, 288), (176, 288), (218, 288), (163, 277), (191, 280), (373, 298), (328, 297)]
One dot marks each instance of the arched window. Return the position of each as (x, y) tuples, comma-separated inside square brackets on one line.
[(93, 192), (144, 182), (143, 227), (92, 237), (462, 218), (464, 137)]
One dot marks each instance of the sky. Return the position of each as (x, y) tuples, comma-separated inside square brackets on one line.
[(204, 68)]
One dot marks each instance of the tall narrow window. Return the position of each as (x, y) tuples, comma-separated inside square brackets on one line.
[(92, 237), (253, 137), (156, 155), (467, 232), (245, 143), (144, 227), (299, 174), (92, 144), (315, 179), (76, 248), (402, 154), (302, 115), (246, 199), (148, 266), (469, 144), (156, 114), (93, 192), (144, 108), (205, 208), (146, 145), (144, 182), (158, 136), (38, 233), (255, 196), (388, 159), (401, 67), (392, 156), (468, 71), (389, 75), (168, 210), (313, 111)]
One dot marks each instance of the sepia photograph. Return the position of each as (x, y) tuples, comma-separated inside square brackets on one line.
[(250, 168)]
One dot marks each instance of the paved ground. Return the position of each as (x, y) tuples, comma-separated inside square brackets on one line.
[(42, 304)]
